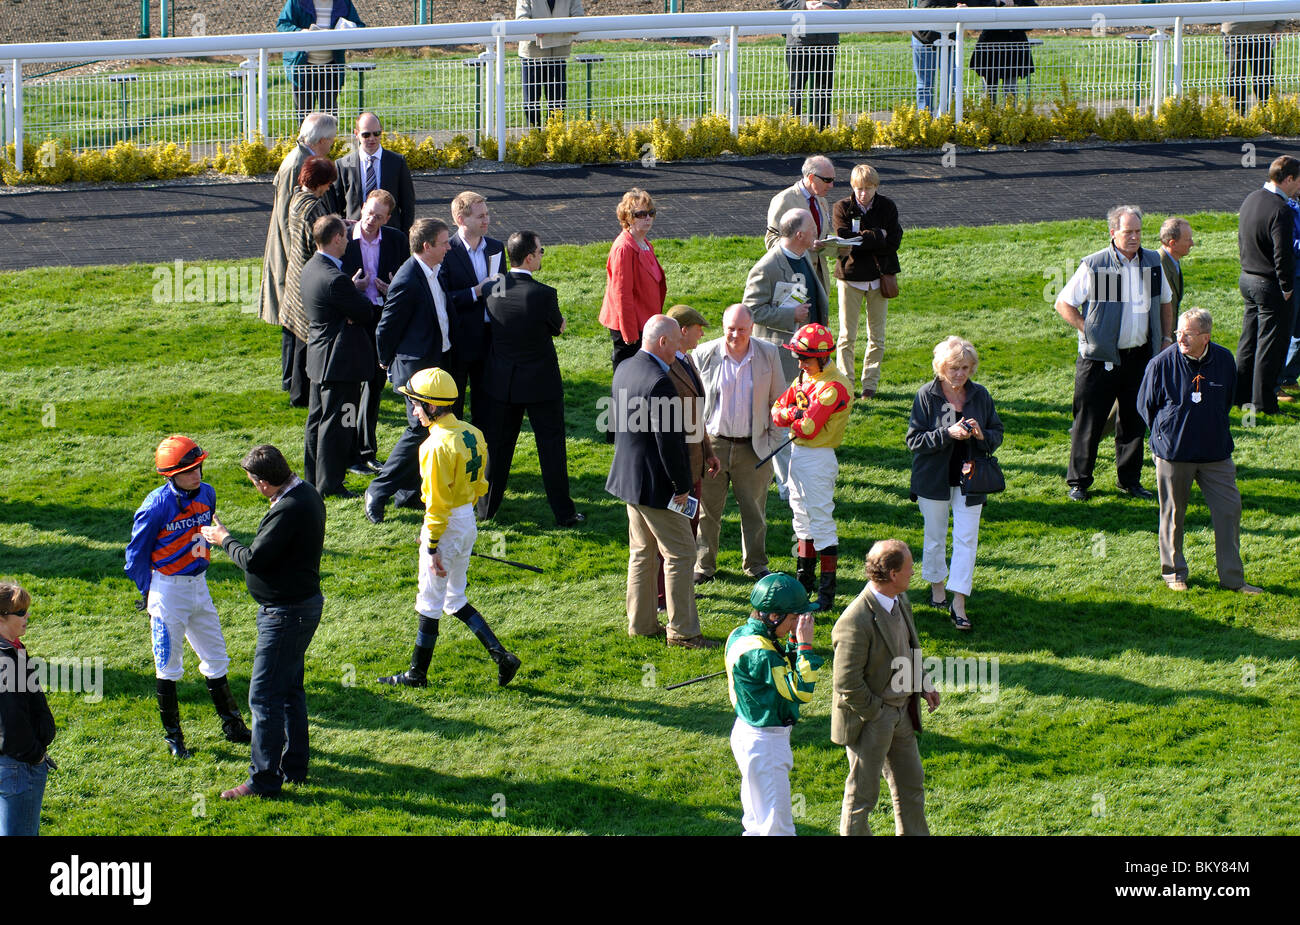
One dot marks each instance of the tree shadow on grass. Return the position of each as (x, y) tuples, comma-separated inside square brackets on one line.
[(1057, 681), (364, 785), (1106, 629), (68, 558)]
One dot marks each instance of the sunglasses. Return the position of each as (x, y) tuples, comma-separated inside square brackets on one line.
[(644, 213), (370, 134), (190, 456), (14, 613), (827, 180)]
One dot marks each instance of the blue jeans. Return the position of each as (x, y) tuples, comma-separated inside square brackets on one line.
[(22, 787), (275, 695), (925, 62)]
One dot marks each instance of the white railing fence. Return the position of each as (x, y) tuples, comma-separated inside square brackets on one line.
[(680, 65)]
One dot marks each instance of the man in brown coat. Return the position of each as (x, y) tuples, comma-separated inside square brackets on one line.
[(875, 710)]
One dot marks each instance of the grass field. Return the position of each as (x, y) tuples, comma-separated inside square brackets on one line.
[(1122, 708)]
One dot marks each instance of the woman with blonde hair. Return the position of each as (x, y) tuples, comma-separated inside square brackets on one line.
[(953, 421), (26, 724)]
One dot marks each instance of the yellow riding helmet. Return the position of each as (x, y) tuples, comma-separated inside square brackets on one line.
[(433, 386)]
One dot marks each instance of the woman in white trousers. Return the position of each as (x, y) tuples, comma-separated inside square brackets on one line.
[(953, 420)]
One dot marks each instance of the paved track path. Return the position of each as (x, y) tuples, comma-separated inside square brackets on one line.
[(218, 220)]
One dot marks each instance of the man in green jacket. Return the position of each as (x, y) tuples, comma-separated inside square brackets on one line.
[(767, 681)]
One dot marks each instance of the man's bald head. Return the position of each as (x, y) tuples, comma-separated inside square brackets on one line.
[(661, 336)]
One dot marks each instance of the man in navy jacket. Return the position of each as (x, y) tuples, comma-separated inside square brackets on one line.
[(417, 331), (1184, 399)]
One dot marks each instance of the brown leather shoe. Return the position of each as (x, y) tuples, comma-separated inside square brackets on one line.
[(868, 393), (1176, 584), (1244, 589), (694, 642), (238, 793), (659, 633)]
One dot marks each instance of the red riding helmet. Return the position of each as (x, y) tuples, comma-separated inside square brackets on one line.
[(812, 340), (177, 454)]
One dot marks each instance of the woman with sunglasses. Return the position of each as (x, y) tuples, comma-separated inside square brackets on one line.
[(26, 724), (635, 287)]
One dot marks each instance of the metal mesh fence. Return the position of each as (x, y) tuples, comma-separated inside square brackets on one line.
[(449, 93)]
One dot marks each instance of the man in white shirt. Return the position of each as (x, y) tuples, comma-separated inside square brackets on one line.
[(1120, 302), (417, 331), (368, 167), (742, 379)]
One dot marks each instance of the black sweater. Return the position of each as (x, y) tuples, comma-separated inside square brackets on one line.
[(1265, 230), (26, 724), (283, 564)]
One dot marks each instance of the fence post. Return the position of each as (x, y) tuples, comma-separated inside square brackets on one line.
[(719, 50), (486, 106), (1178, 58), (959, 73), (16, 92), (1158, 41), (942, 92), (500, 92), (733, 79), (144, 20), (164, 18), (263, 108)]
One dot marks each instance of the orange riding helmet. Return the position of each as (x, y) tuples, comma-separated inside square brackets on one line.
[(177, 454)]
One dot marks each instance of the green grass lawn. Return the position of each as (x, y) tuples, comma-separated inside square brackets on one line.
[(1122, 707)]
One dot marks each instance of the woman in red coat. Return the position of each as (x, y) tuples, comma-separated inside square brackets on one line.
[(635, 288)]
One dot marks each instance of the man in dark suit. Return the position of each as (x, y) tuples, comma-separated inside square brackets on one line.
[(523, 375), (416, 331), (339, 356), (1175, 243), (472, 264), (378, 250), (369, 167), (1265, 239), (652, 468)]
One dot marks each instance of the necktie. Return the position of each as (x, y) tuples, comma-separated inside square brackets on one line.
[(816, 213), (368, 179)]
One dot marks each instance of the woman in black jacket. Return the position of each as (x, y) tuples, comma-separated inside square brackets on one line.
[(859, 271), (953, 419), (26, 725), (1002, 56)]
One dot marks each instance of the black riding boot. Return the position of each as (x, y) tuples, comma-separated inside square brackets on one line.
[(232, 724), (417, 675), (826, 590), (507, 662), (805, 569), (170, 713)]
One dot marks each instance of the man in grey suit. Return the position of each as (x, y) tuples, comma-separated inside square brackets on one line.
[(742, 379), (783, 290), (369, 167), (316, 137), (875, 709)]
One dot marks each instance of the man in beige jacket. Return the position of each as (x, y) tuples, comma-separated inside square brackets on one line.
[(544, 59), (875, 710)]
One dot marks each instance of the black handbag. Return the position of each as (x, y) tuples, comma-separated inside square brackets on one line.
[(981, 475)]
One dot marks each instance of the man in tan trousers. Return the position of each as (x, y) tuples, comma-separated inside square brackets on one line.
[(875, 713)]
